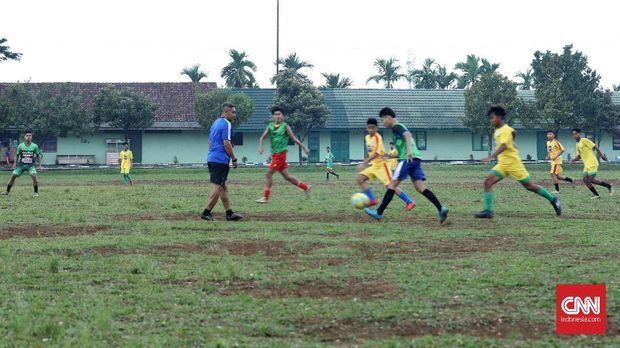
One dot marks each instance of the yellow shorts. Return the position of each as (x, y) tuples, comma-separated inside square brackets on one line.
[(515, 170), (381, 172), (125, 170), (590, 170), (556, 169), (393, 163)]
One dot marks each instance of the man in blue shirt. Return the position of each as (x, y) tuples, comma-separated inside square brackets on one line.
[(218, 160)]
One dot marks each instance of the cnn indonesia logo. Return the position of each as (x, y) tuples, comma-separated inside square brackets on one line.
[(580, 309)]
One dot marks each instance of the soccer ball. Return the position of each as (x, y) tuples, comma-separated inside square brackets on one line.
[(359, 200)]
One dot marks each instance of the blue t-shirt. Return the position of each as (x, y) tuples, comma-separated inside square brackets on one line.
[(221, 130)]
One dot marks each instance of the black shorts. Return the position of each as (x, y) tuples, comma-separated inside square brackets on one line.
[(218, 172)]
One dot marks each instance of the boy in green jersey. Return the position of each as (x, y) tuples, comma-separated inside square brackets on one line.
[(409, 165), (279, 133), (25, 161), (329, 162)]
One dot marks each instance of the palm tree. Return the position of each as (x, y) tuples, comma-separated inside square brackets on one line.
[(334, 81), (239, 73), (527, 78), (388, 72), (473, 67), (425, 78), (443, 79), (194, 73), (487, 68), (616, 88), (6, 53), (293, 62)]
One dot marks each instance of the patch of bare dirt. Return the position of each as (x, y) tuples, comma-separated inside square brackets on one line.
[(38, 231), (351, 330)]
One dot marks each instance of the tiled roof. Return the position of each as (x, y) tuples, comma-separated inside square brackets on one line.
[(175, 101)]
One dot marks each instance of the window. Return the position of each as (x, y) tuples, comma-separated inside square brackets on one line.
[(420, 140), (616, 141), (479, 142), (49, 144), (237, 138)]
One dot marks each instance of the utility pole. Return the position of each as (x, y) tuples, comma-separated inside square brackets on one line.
[(278, 37)]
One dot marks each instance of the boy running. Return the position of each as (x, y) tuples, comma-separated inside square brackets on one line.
[(409, 165), (279, 133), (25, 160), (376, 167), (555, 151), (329, 161), (585, 152), (125, 159), (508, 164)]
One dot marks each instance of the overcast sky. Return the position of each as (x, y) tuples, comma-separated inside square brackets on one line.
[(146, 41)]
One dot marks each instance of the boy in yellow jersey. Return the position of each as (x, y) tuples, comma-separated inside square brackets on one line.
[(585, 152), (125, 159), (393, 154), (508, 164), (554, 154), (376, 167)]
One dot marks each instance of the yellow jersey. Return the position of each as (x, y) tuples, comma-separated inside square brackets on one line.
[(374, 144), (585, 148), (554, 148), (505, 135), (126, 157)]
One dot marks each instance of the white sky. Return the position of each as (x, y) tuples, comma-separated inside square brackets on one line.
[(145, 41)]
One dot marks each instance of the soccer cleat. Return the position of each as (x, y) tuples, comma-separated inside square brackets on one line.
[(611, 190), (485, 214), (262, 200), (373, 213), (373, 202), (233, 217), (409, 206), (443, 215), (4, 193), (307, 191), (557, 206), (207, 217), (35, 195), (595, 197)]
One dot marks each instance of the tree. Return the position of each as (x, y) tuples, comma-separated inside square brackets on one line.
[(293, 62), (124, 109), (6, 53), (17, 106), (565, 90), (425, 78), (388, 72), (492, 89), (616, 88), (208, 106), (526, 77), (335, 81), (303, 104), (239, 73), (603, 118), (472, 69), (194, 73)]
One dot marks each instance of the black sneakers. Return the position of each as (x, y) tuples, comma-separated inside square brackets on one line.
[(557, 206), (233, 217), (485, 214)]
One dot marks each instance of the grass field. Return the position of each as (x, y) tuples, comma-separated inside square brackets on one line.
[(91, 263)]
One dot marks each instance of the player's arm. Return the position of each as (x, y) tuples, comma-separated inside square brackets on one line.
[(577, 158), (262, 138), (497, 152), (291, 135), (229, 151), (603, 157), (558, 155), (409, 141)]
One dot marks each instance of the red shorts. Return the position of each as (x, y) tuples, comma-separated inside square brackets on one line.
[(278, 161)]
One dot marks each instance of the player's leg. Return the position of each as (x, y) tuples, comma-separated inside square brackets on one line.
[(268, 184), (10, 184), (35, 184), (608, 186), (556, 182), (327, 174), (225, 198), (384, 174), (212, 201), (362, 181), (541, 191), (559, 173), (418, 178), (129, 179), (400, 173), (492, 178), (588, 183), (332, 172), (293, 180)]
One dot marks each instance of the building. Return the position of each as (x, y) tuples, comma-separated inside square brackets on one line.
[(433, 116)]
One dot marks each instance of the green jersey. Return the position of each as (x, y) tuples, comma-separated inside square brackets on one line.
[(27, 153), (400, 142), (278, 136), (329, 159)]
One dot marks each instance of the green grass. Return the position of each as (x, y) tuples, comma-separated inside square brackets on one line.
[(91, 263)]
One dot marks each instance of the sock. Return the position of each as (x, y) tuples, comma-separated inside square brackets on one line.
[(593, 190), (568, 179), (337, 176), (302, 185), (327, 176), (266, 193), (36, 189), (488, 201), (404, 197), (605, 185), (387, 198), (557, 187), (206, 212), (129, 178), (8, 187), (370, 194), (229, 212), (124, 179), (431, 197), (543, 192)]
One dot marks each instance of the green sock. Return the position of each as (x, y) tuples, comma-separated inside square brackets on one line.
[(125, 182), (543, 192), (488, 201)]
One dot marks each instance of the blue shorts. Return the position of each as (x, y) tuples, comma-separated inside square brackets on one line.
[(412, 169)]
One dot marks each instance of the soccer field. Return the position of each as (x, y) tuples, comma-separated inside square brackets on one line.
[(92, 263)]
